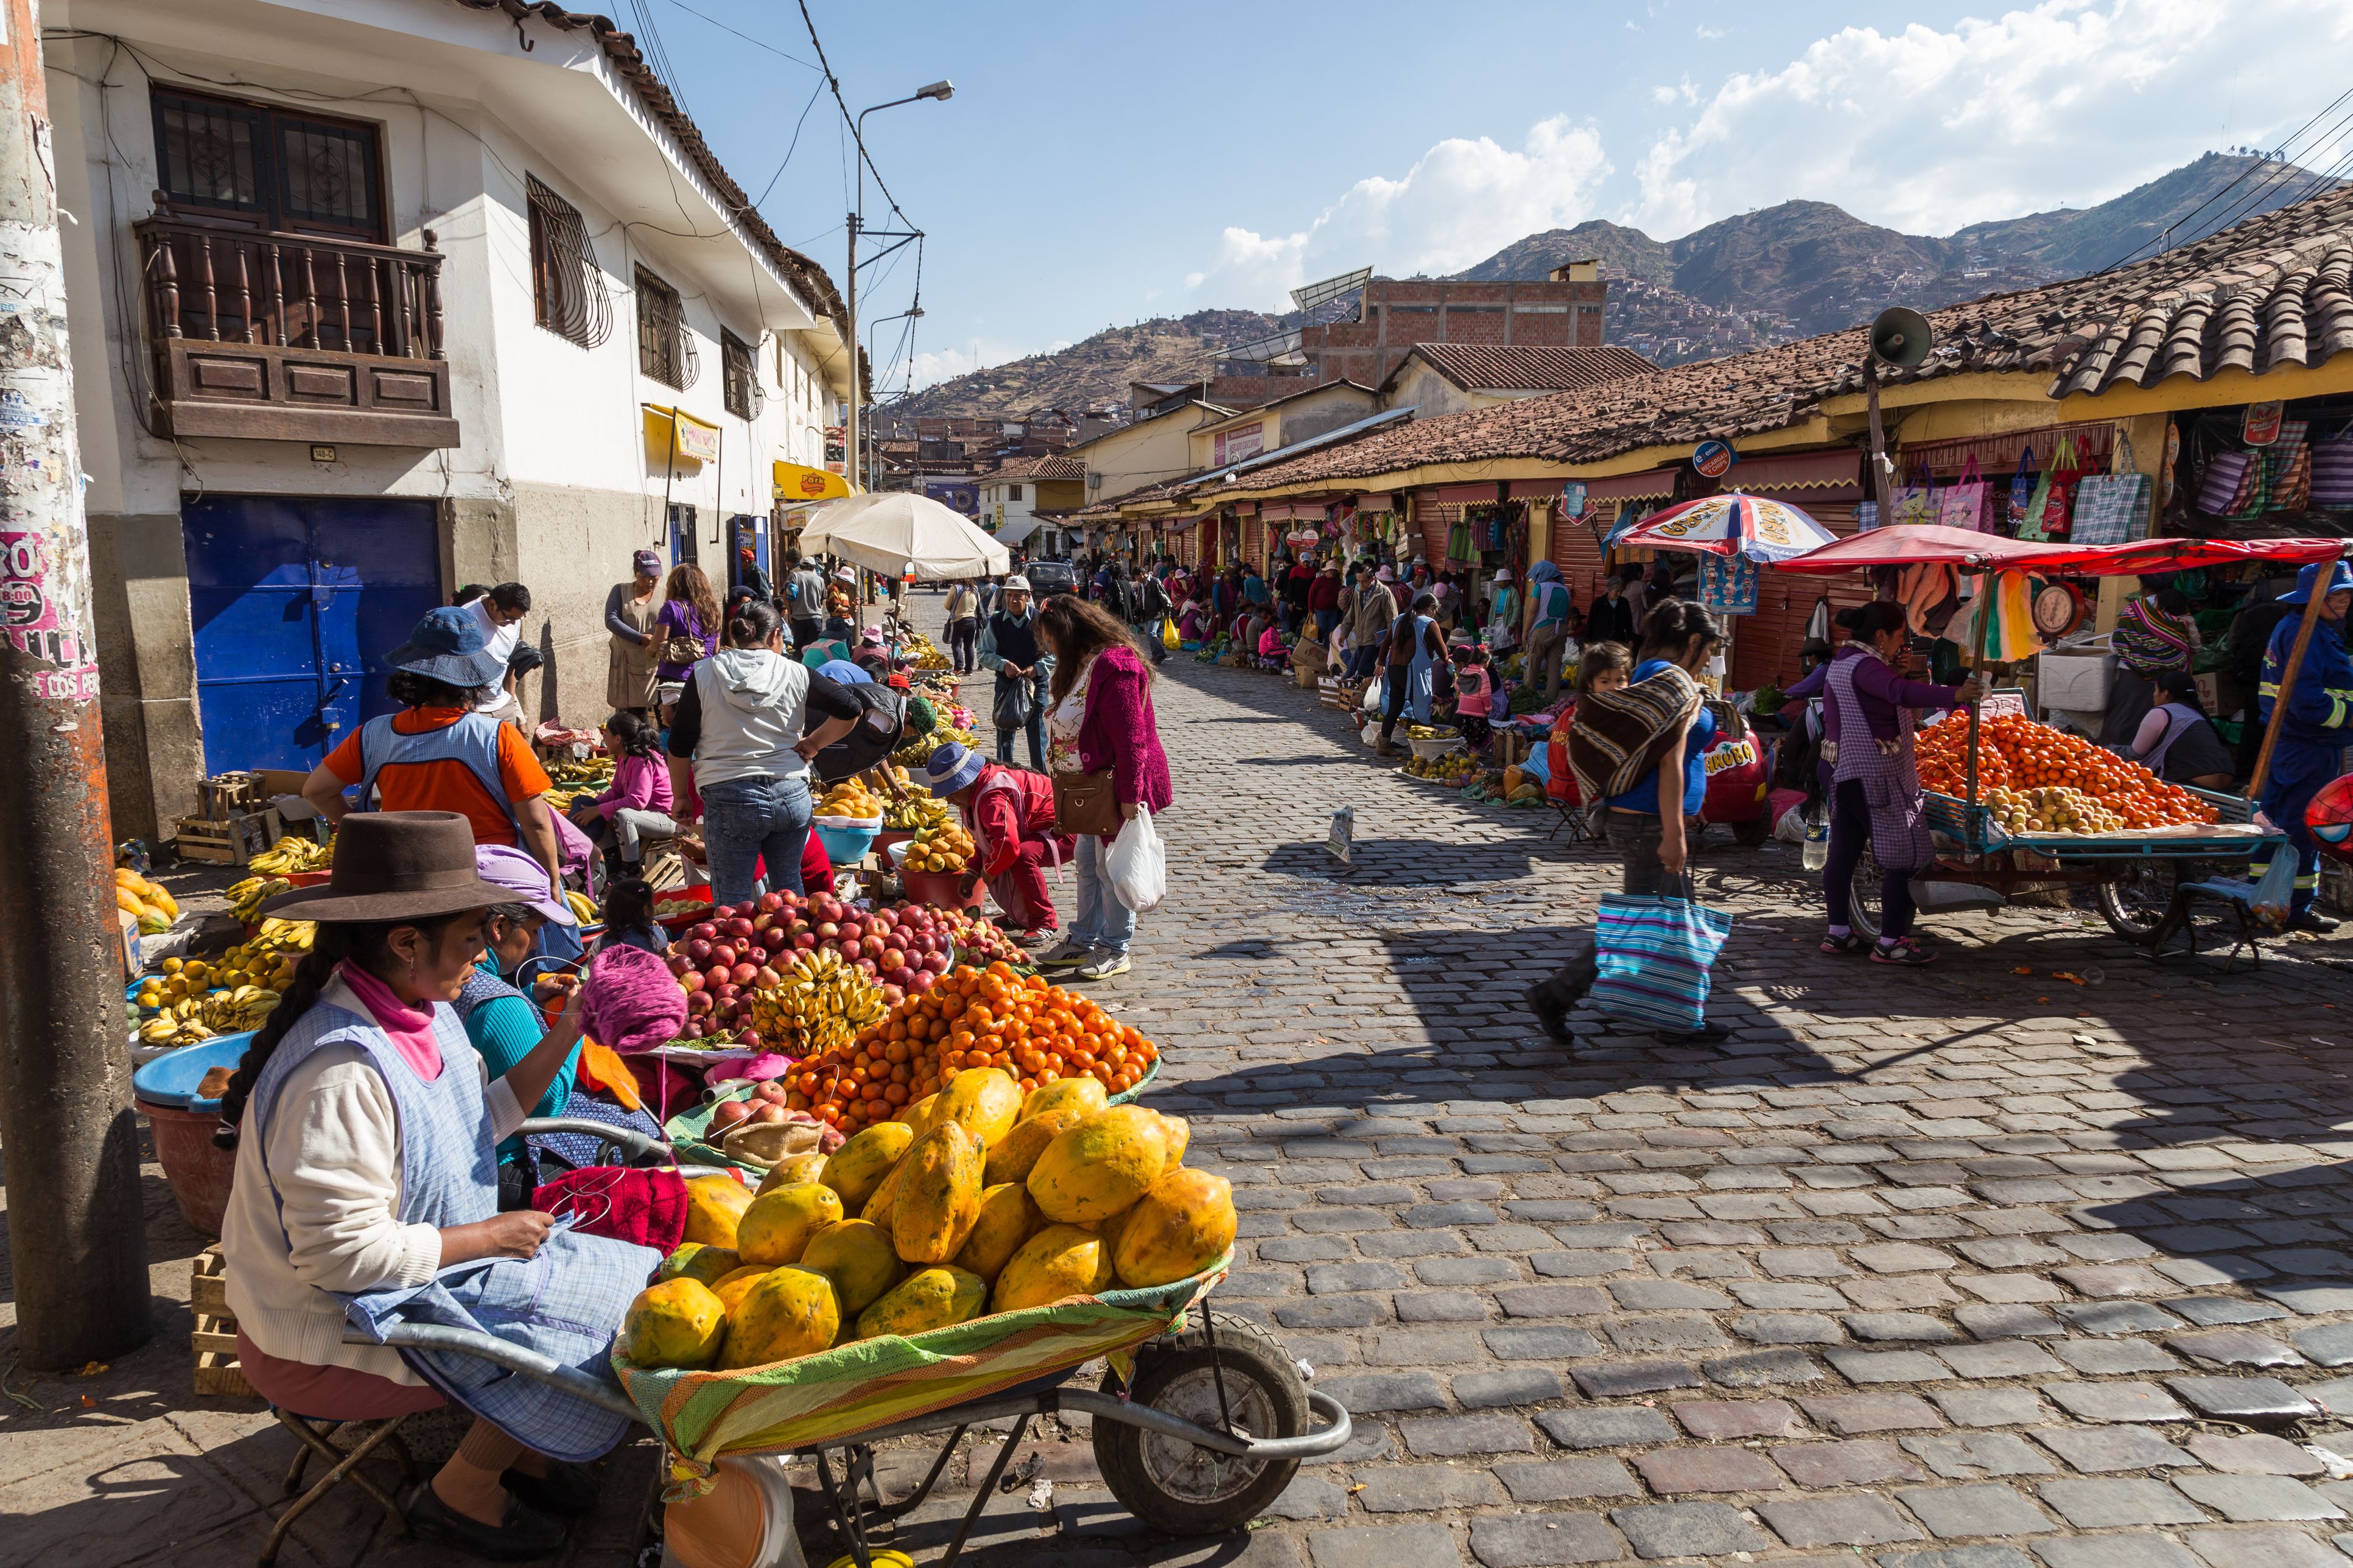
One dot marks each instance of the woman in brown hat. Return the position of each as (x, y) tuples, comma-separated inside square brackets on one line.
[(366, 1193)]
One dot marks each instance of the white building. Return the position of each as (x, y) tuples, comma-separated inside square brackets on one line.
[(397, 295)]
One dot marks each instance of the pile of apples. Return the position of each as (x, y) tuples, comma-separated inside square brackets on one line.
[(765, 1103), (746, 948)]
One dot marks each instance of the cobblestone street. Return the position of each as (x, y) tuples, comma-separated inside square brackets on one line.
[(1976, 1266)]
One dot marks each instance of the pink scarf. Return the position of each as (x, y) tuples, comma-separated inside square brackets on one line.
[(410, 1029)]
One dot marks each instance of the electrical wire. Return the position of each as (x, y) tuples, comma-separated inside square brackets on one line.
[(2287, 158), (789, 146), (755, 43), (649, 35), (849, 119), (2287, 171)]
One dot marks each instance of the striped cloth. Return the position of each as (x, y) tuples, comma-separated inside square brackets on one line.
[(1616, 738), (1653, 955), (832, 1396)]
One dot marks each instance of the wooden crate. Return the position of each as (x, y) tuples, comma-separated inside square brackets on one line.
[(215, 1338), (230, 841), (225, 795)]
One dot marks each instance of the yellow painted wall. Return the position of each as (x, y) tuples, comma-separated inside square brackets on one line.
[(1145, 454)]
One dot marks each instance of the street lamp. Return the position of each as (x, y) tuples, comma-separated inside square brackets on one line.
[(873, 467), (940, 92)]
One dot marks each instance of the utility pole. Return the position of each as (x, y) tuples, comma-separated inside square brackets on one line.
[(850, 465), (77, 1229)]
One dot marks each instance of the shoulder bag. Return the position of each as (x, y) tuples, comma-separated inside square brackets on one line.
[(1086, 803)]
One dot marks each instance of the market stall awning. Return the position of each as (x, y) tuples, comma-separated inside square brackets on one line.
[(902, 534), (1018, 529), (1834, 470), (1916, 544), (1650, 485), (797, 483), (1732, 523), (674, 432)]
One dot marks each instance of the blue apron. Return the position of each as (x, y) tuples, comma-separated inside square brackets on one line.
[(565, 1302)]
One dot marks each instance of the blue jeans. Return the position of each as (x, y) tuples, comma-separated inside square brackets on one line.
[(746, 820), (1102, 923), (1363, 661)]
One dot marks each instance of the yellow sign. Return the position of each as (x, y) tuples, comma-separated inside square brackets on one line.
[(673, 432), (796, 482)]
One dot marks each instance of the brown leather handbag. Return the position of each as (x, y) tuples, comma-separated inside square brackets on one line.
[(1086, 803)]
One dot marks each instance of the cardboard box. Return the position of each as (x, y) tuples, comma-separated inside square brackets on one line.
[(2076, 678), (281, 788)]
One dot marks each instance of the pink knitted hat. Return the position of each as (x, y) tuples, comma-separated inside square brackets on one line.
[(630, 1001)]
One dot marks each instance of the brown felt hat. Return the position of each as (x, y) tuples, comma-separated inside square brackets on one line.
[(396, 865)]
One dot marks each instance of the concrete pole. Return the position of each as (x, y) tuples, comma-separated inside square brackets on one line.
[(77, 1230)]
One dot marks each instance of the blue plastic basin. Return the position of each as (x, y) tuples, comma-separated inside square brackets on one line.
[(171, 1080)]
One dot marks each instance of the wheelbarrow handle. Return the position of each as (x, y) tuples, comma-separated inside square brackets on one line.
[(632, 1144), (530, 1364), (1332, 1436)]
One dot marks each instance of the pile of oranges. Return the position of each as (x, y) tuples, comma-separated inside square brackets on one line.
[(973, 1017), (2015, 753)]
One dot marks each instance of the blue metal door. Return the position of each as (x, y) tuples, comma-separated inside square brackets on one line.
[(296, 602)]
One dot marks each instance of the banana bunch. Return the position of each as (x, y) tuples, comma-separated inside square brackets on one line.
[(919, 751), (245, 900), (195, 1018), (290, 855), (916, 812), (594, 771), (822, 1002)]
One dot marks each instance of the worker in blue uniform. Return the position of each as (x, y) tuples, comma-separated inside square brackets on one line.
[(2313, 732)]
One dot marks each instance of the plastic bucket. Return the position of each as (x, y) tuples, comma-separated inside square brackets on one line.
[(200, 1173), (845, 838)]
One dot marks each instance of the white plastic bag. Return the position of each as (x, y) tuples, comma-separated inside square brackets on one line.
[(2273, 892), (1139, 870)]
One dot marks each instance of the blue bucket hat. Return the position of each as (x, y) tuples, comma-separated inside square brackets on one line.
[(952, 767), (2340, 577), (446, 646)]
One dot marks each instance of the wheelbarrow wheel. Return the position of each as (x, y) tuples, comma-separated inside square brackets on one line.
[(1182, 1489)]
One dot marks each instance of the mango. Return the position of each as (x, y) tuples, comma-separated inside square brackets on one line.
[(675, 1323), (858, 1167), (1094, 1170), (793, 1168), (927, 1299), (1011, 1160), (985, 1101), (1085, 1095), (693, 1261), (856, 1256), (1060, 1261), (713, 1205), (787, 1312), (1181, 1227), (775, 1227), (1008, 1217), (937, 1194)]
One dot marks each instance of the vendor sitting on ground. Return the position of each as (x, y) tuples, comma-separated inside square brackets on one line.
[(1010, 816), (365, 1129), (1272, 654)]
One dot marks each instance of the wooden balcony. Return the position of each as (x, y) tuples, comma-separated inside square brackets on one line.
[(283, 337)]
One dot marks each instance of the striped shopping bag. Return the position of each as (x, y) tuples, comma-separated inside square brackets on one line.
[(1653, 957)]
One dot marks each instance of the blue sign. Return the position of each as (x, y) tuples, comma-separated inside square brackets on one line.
[(1572, 498), (1713, 459)]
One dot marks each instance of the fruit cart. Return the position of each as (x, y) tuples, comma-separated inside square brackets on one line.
[(2131, 873)]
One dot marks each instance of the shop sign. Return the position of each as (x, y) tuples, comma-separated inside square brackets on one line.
[(2261, 426), (1572, 498), (1234, 446), (1713, 459), (1302, 538), (1729, 585)]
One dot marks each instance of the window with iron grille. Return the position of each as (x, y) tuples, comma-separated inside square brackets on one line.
[(741, 390), (665, 351), (568, 288), (277, 169)]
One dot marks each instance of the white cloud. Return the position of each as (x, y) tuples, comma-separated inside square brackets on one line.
[(1460, 202), (1927, 131), (1708, 34)]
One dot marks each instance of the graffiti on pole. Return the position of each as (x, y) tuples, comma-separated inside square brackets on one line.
[(43, 570)]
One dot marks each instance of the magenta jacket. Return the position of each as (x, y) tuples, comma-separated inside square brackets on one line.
[(1121, 733), (639, 784)]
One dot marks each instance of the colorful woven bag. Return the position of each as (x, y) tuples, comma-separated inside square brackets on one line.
[(1655, 955)]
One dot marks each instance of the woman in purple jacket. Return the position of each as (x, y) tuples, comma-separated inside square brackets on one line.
[(1100, 719), (688, 618), (1875, 797)]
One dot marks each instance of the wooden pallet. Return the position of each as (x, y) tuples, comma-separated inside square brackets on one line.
[(214, 1338), (229, 841)]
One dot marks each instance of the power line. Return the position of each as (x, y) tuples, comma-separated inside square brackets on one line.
[(849, 119), (654, 49), (789, 149), (755, 43), (2286, 157), (2286, 171)]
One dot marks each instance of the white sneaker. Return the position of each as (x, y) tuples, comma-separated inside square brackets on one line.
[(1100, 966), (1062, 955)]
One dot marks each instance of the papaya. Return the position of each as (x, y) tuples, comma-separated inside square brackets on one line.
[(776, 1228), (856, 1256), (878, 1207), (985, 1101), (938, 1196), (858, 1167), (787, 1312), (1180, 1138), (162, 900), (1011, 1160), (713, 1205), (695, 1261), (125, 900), (1084, 1094), (1181, 1227), (1008, 1217), (1094, 1170), (1060, 1261), (1511, 780), (674, 1323), (927, 1299), (791, 1169), (919, 1115), (731, 1287)]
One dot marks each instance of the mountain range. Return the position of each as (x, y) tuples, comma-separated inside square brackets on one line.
[(1761, 277)]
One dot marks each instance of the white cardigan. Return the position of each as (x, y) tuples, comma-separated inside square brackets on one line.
[(333, 1152)]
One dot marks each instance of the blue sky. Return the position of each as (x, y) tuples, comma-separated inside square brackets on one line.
[(1099, 164)]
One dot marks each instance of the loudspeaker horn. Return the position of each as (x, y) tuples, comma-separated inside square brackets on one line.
[(1901, 337)]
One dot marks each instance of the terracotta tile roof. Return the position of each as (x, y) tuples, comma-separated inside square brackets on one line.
[(1527, 367), (619, 47), (1052, 466), (2274, 290)]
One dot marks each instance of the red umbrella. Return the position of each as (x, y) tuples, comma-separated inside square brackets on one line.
[(1910, 544)]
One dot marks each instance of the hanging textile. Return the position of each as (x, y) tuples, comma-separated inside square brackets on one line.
[(2287, 469), (2113, 509)]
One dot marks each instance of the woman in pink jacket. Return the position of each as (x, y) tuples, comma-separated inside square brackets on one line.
[(1100, 719)]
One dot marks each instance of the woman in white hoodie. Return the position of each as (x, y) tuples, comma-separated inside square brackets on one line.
[(742, 737)]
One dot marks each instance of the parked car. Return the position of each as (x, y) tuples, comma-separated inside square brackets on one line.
[(1047, 578)]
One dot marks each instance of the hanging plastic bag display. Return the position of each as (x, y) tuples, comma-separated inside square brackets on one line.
[(1968, 502), (2021, 493)]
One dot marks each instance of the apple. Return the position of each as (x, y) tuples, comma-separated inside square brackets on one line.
[(767, 979), (827, 929), (874, 947), (677, 963), (750, 1040), (867, 967), (737, 927), (726, 991), (690, 981), (705, 932), (924, 981), (935, 962), (892, 996), (899, 977), (698, 949), (693, 1031), (771, 902), (770, 1112), (744, 974), (698, 1004), (775, 938), (727, 1113), (805, 941)]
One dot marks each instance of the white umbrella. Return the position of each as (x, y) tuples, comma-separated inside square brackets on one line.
[(900, 533)]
